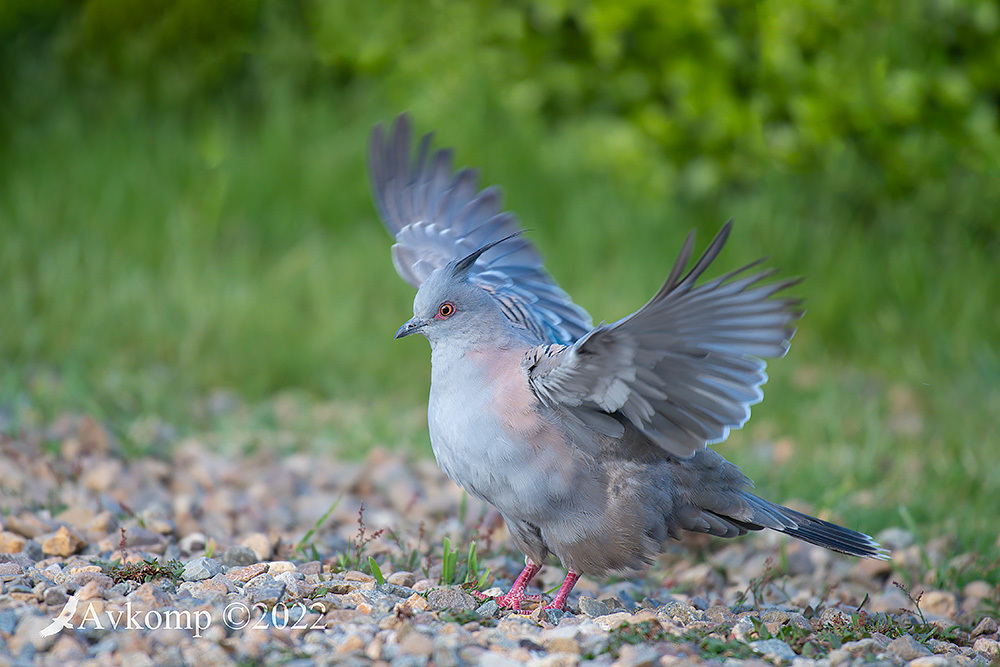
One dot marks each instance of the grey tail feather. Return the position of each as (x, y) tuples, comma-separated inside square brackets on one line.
[(821, 533), (830, 535)]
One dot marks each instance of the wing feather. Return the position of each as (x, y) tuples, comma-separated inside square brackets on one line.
[(437, 215), (685, 368)]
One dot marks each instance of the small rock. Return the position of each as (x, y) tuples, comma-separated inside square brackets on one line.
[(55, 596), (312, 567), (680, 612), (743, 629), (987, 626), (978, 590), (774, 649), (63, 542), (907, 648), (393, 589), (354, 575), (266, 590), (609, 622), (636, 655), (834, 617), (988, 648), (28, 525), (245, 574), (862, 647), (416, 643), (417, 603), (450, 598), (10, 569), (931, 661), (402, 579), (193, 543), (720, 614), (239, 556), (352, 643), (592, 608), (279, 566), (11, 543), (939, 603), (8, 622), (488, 609), (259, 544), (200, 568), (149, 596)]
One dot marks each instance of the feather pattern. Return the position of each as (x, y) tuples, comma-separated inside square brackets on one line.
[(686, 367), (437, 216)]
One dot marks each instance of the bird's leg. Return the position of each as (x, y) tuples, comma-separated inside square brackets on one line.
[(516, 596), (563, 591)]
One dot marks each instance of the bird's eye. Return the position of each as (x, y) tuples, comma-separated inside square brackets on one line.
[(445, 310)]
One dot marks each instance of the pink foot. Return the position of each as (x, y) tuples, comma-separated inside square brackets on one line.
[(560, 601), (516, 596)]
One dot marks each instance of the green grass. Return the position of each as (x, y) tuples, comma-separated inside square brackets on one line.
[(150, 257)]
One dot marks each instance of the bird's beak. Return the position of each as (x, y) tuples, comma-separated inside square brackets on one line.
[(410, 327)]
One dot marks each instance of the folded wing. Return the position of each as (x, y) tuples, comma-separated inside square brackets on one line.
[(437, 216), (683, 369)]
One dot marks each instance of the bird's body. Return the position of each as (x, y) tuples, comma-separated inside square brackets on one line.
[(590, 441)]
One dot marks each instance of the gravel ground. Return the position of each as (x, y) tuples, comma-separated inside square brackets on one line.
[(217, 566)]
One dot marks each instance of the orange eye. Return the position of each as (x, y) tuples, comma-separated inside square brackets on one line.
[(445, 310)]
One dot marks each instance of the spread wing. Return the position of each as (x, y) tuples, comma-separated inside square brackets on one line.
[(437, 216), (683, 369)]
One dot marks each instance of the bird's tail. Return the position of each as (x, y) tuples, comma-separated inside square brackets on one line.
[(812, 530)]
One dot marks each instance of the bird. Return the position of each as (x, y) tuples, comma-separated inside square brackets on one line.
[(591, 441)]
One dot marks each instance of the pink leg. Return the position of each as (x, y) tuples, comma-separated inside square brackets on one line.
[(564, 590), (516, 596)]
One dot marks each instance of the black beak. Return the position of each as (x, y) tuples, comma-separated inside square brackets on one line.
[(410, 327)]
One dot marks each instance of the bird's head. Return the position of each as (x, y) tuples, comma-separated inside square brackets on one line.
[(450, 307)]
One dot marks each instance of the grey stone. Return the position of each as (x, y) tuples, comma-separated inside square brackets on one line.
[(637, 655), (862, 647), (593, 608), (8, 621), (907, 648), (450, 598), (397, 590), (201, 568), (553, 616), (266, 590), (239, 556), (55, 596), (489, 609), (774, 649), (680, 612)]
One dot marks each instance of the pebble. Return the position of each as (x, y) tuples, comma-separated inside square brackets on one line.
[(254, 511), (450, 598), (202, 567), (987, 626), (63, 542), (11, 543), (774, 650), (939, 603), (907, 648), (591, 607), (406, 579), (988, 648)]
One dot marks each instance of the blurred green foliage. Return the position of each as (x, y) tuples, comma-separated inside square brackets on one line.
[(699, 91), (183, 203)]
